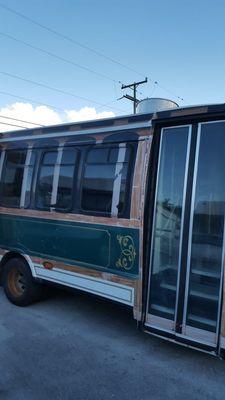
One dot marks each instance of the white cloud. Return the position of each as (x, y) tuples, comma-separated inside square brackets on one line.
[(26, 112), (87, 113), (44, 115)]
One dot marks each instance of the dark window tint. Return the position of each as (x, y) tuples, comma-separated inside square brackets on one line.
[(98, 156), (50, 158), (55, 182), (65, 185), (15, 158), (44, 187), (104, 180), (29, 175), (69, 157), (13, 177)]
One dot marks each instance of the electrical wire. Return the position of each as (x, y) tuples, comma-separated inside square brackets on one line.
[(20, 120), (57, 57), (168, 91), (65, 37), (71, 40), (17, 126), (61, 91), (31, 100), (50, 105)]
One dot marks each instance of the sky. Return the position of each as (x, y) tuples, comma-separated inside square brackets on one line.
[(179, 44)]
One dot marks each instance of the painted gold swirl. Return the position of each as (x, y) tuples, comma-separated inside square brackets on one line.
[(128, 253)]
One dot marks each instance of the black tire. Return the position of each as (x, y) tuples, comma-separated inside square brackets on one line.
[(19, 286)]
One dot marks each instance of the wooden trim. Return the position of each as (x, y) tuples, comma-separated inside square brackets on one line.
[(223, 311), (54, 215), (137, 211)]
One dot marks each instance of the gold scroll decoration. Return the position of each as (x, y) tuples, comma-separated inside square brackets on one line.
[(128, 253)]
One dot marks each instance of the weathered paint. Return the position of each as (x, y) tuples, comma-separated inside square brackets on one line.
[(109, 248)]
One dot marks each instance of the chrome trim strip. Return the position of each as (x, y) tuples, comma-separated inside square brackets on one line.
[(222, 342), (191, 229), (56, 176), (118, 179), (182, 218), (81, 132), (153, 321), (2, 159), (25, 176), (200, 335)]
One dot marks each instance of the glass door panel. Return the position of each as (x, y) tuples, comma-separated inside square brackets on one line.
[(206, 232), (167, 227)]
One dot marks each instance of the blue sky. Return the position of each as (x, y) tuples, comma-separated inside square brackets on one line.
[(179, 44)]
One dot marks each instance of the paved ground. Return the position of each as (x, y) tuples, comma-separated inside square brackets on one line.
[(74, 346)]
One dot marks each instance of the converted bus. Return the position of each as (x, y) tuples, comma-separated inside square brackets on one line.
[(128, 208)]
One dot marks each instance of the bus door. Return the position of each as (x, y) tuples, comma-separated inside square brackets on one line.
[(187, 239)]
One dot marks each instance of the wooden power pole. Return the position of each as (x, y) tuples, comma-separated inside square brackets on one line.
[(133, 86)]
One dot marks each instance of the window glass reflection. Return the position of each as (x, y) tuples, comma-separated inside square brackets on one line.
[(167, 231), (208, 229), (103, 168), (13, 171)]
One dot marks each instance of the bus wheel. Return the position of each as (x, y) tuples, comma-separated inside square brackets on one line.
[(18, 283)]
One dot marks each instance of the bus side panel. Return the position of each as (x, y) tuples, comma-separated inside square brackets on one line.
[(108, 248)]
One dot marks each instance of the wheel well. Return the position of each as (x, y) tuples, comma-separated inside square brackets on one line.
[(8, 256)]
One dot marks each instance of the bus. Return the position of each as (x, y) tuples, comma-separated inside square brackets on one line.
[(129, 208)]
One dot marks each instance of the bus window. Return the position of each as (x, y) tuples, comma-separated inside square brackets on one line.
[(65, 182), (104, 180), (45, 180), (55, 181), (12, 177), (27, 178)]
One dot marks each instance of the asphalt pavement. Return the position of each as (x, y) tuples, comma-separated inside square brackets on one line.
[(79, 347)]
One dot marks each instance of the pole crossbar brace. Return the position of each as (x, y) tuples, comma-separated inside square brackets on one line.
[(133, 86)]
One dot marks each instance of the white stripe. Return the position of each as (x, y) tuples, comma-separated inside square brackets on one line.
[(25, 176), (222, 342), (2, 162), (81, 132), (56, 176), (118, 179), (114, 291)]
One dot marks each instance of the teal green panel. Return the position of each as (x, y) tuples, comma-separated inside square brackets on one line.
[(109, 248)]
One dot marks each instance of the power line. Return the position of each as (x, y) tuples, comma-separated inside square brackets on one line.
[(17, 126), (69, 39), (81, 45), (47, 104), (57, 57), (106, 104), (168, 91), (62, 59), (20, 120), (31, 100), (55, 89)]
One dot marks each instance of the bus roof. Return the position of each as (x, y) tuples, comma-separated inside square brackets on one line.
[(111, 125), (84, 126)]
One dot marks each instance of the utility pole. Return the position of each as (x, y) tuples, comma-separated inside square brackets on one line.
[(133, 86)]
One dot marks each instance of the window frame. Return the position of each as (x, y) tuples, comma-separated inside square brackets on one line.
[(125, 213), (74, 186)]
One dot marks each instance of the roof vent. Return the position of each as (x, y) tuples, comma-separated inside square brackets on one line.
[(152, 105)]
